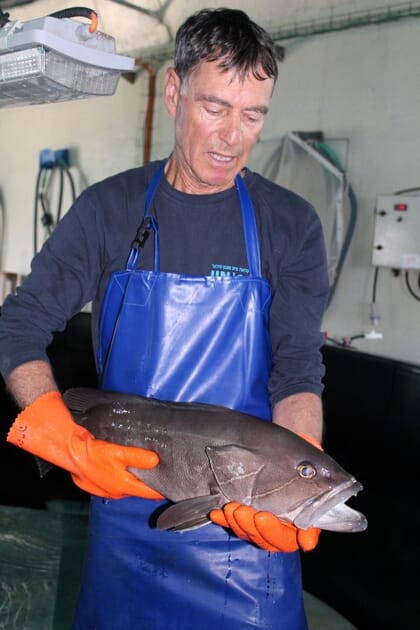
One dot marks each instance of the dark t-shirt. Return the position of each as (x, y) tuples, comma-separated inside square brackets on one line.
[(199, 235)]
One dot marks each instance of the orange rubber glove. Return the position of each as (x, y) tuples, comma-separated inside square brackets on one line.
[(264, 529), (46, 429)]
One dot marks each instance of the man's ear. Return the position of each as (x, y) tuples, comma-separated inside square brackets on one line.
[(172, 91)]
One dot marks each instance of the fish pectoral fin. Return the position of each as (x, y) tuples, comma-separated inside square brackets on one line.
[(189, 513), (235, 470)]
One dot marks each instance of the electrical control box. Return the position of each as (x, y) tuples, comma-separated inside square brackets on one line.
[(396, 241)]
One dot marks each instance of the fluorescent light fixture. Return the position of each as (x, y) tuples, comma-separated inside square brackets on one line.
[(56, 59)]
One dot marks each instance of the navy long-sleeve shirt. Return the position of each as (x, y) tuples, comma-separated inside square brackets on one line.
[(199, 235)]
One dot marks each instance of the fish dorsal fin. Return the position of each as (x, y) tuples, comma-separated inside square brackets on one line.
[(235, 469), (80, 399), (189, 513)]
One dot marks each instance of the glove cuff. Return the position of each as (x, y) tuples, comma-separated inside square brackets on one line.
[(311, 440), (45, 422)]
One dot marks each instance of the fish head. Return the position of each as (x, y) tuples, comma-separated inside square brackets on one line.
[(315, 492), (301, 484)]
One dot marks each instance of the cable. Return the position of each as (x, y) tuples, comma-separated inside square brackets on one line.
[(326, 151), (407, 190), (42, 197), (71, 182), (374, 317), (375, 282), (60, 193), (37, 187), (347, 241), (90, 14), (4, 18), (346, 341), (353, 337), (410, 289), (46, 218)]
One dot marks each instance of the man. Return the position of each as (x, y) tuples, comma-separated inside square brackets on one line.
[(220, 301)]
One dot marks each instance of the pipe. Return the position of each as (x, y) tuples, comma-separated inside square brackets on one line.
[(317, 26), (148, 122), (344, 21)]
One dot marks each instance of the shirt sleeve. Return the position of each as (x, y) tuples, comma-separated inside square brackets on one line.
[(61, 282), (73, 267), (296, 266)]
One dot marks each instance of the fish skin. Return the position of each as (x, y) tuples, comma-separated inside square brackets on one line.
[(211, 455)]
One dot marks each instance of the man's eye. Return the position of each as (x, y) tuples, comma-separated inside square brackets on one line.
[(253, 118), (213, 111)]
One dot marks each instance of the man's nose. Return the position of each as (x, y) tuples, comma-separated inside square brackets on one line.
[(231, 131)]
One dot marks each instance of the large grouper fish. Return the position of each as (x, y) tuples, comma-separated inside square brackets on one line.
[(211, 455)]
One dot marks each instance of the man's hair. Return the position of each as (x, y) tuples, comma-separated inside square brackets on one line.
[(229, 37)]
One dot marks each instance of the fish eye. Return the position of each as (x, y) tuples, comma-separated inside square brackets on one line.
[(306, 470)]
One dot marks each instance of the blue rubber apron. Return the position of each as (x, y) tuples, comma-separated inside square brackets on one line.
[(186, 338)]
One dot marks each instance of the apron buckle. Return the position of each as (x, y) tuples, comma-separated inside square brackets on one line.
[(143, 233)]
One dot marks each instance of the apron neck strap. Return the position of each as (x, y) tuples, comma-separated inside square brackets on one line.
[(250, 228), (151, 190), (149, 224)]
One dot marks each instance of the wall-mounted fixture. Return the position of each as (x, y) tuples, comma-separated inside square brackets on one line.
[(56, 58), (396, 241)]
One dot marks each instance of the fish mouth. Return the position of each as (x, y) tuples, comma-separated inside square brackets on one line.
[(329, 510)]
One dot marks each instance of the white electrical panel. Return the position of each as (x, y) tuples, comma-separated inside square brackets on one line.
[(396, 241)]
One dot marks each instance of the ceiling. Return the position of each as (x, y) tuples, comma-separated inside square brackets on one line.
[(136, 25), (145, 29)]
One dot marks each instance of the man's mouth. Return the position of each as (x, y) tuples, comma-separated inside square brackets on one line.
[(219, 157)]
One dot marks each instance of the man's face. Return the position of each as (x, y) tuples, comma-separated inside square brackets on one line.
[(218, 120)]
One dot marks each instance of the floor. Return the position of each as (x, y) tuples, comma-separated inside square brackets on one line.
[(322, 617), (41, 554)]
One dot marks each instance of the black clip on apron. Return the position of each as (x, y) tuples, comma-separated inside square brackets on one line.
[(192, 339)]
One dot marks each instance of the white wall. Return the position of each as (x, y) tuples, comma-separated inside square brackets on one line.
[(103, 134), (360, 84)]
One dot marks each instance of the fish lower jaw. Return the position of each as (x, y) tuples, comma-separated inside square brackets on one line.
[(330, 512), (342, 518)]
